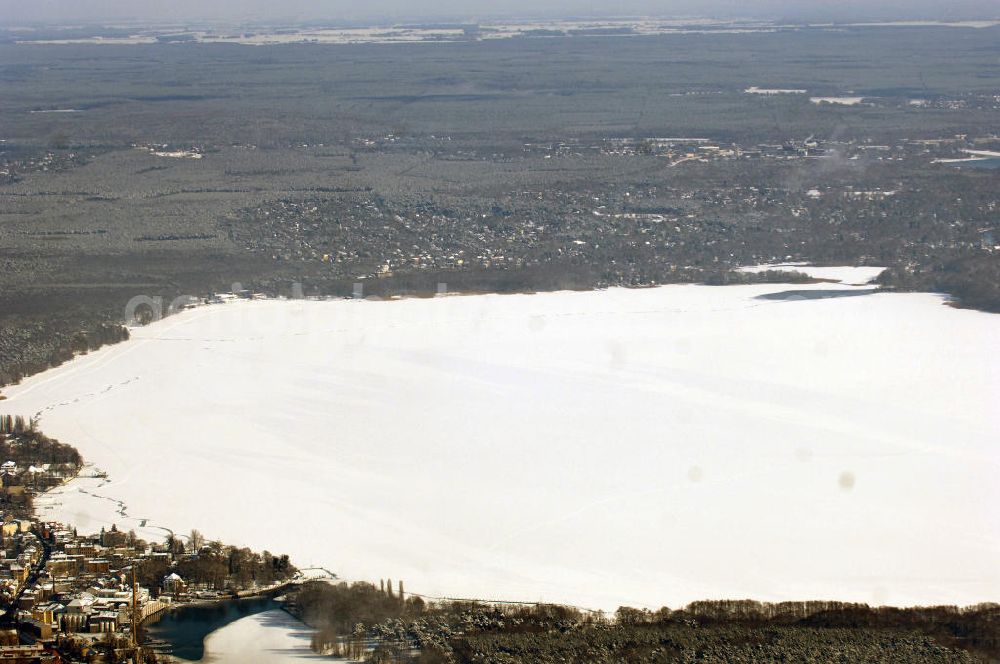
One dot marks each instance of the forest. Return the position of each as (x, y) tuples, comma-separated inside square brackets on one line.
[(53, 345), (363, 620)]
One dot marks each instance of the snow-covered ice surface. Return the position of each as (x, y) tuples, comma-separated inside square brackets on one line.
[(640, 447), (271, 636), (88, 504)]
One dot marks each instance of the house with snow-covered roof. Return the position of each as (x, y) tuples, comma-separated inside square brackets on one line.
[(173, 584)]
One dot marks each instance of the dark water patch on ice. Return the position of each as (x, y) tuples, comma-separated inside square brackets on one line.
[(792, 295)]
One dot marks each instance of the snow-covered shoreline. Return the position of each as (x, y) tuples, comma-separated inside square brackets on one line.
[(595, 448)]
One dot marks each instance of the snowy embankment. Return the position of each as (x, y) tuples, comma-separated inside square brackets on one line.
[(640, 447)]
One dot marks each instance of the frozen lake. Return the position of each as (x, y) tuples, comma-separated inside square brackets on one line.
[(640, 447)]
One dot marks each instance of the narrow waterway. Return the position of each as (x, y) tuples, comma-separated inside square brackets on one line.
[(182, 631)]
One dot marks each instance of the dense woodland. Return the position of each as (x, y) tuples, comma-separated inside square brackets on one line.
[(362, 620), (30, 348)]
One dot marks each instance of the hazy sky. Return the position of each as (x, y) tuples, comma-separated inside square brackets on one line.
[(21, 11)]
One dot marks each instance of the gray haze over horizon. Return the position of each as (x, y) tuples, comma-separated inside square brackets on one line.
[(14, 12)]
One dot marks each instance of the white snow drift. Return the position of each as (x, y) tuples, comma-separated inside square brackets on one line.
[(640, 447)]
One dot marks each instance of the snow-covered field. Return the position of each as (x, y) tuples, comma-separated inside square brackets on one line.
[(754, 90), (640, 447), (976, 155), (842, 101)]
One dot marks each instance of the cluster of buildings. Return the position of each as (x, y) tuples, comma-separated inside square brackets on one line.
[(679, 150), (56, 584)]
